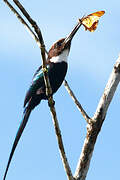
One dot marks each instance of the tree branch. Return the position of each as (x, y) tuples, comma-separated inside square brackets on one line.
[(31, 21), (60, 143), (23, 22), (46, 79), (108, 92), (34, 36), (93, 129), (79, 106)]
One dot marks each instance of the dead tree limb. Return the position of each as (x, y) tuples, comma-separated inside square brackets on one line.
[(97, 120)]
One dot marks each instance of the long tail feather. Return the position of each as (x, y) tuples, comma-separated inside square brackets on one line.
[(17, 138)]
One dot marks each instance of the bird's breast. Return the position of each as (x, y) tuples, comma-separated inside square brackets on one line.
[(57, 74)]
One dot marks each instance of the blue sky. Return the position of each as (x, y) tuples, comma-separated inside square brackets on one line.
[(91, 60)]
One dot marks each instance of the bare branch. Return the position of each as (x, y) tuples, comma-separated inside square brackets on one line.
[(96, 123), (34, 36), (23, 22), (31, 21), (79, 106), (60, 143), (108, 92)]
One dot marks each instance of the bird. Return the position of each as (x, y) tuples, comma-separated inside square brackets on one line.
[(56, 66)]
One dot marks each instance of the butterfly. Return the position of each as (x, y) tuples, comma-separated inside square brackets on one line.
[(90, 22)]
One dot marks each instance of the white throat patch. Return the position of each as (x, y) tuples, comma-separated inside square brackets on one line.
[(62, 57)]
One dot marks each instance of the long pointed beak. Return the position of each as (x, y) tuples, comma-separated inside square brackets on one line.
[(71, 35)]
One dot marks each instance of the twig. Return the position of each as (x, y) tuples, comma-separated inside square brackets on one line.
[(60, 143), (33, 24), (23, 22), (96, 123), (79, 106), (34, 36), (47, 82), (38, 32)]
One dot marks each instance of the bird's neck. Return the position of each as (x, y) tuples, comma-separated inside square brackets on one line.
[(61, 57)]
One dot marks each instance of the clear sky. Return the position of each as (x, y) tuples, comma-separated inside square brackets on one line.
[(91, 61)]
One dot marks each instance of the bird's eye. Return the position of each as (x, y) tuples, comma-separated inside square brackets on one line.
[(58, 43)]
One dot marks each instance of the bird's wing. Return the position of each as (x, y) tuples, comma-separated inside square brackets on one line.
[(37, 72), (37, 81), (37, 86)]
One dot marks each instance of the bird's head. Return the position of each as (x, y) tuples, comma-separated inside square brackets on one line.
[(60, 49)]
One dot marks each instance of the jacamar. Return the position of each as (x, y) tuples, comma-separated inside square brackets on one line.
[(56, 66)]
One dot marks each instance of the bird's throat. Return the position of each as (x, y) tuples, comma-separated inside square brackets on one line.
[(61, 57)]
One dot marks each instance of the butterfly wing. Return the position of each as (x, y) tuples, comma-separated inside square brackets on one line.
[(90, 22)]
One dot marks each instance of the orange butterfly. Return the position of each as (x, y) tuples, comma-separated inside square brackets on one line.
[(90, 22)]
